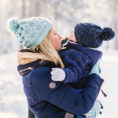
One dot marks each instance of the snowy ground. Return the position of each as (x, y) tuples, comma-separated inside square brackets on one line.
[(13, 102)]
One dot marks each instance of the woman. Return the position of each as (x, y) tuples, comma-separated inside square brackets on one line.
[(48, 99)]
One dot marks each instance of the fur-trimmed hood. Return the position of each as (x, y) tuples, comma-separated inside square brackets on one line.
[(29, 60), (26, 56)]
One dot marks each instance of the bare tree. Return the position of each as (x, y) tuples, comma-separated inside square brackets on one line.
[(34, 8), (23, 8), (31, 8), (37, 7), (116, 27), (115, 21), (23, 16)]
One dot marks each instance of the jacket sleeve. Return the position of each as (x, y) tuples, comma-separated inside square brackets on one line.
[(75, 64), (64, 96)]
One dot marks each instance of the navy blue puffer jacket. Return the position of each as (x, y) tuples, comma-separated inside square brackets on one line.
[(48, 99), (78, 62)]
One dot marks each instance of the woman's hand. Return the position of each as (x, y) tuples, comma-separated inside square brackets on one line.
[(58, 74), (96, 68)]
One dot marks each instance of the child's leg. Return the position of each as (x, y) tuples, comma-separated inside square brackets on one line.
[(93, 112)]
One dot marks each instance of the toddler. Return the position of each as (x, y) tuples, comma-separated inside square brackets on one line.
[(79, 46)]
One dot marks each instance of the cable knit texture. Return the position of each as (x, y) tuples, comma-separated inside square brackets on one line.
[(30, 32), (91, 35)]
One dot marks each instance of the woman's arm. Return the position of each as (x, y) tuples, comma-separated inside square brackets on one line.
[(64, 96)]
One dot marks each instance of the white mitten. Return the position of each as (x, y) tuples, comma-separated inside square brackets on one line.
[(58, 74)]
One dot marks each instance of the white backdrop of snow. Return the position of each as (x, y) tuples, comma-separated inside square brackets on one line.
[(13, 102)]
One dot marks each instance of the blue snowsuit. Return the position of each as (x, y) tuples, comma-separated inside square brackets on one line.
[(78, 62)]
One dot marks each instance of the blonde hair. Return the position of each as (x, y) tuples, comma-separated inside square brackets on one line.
[(48, 51)]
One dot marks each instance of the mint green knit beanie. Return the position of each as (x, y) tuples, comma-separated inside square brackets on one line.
[(30, 32)]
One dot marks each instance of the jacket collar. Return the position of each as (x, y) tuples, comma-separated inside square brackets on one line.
[(28, 61), (93, 54)]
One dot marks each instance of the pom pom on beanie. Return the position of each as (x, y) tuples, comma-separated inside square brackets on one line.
[(107, 34), (13, 24)]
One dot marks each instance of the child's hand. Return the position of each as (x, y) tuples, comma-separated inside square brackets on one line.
[(57, 74), (71, 37)]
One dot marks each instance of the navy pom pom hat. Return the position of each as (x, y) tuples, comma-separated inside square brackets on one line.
[(91, 35), (30, 32)]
